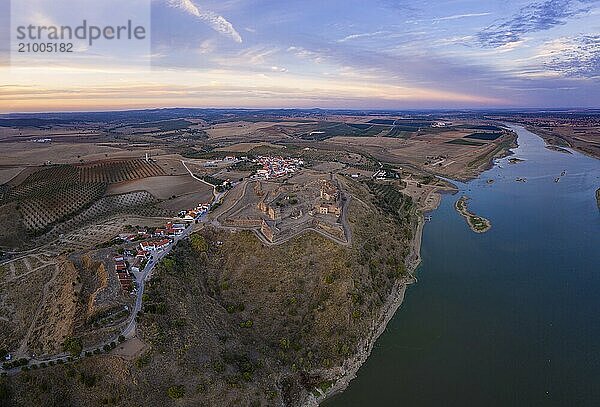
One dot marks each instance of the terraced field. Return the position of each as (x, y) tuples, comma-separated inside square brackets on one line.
[(118, 171), (71, 195), (39, 212)]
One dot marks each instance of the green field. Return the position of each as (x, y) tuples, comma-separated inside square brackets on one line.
[(463, 142), (484, 136)]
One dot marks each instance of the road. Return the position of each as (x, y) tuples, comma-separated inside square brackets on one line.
[(200, 179), (145, 275), (141, 278)]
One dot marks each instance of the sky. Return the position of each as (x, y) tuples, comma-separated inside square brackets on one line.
[(376, 54)]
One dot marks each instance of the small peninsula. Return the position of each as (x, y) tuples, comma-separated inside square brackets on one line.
[(476, 223)]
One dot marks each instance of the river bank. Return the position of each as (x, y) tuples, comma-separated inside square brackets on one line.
[(396, 298), (389, 308), (492, 313)]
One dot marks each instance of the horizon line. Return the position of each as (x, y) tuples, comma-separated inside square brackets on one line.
[(340, 109)]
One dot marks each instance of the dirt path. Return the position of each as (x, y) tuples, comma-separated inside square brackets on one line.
[(31, 270), (23, 346), (13, 271)]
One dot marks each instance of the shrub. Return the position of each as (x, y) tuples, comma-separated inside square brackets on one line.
[(143, 360), (199, 243), (176, 392), (246, 324), (73, 346)]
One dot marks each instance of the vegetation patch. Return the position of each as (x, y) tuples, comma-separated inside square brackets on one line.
[(484, 136), (463, 142), (476, 223)]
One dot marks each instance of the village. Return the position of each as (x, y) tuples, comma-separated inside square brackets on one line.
[(275, 167), (134, 256)]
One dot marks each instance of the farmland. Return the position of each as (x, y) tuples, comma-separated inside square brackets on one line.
[(163, 187), (64, 193), (112, 172), (330, 267)]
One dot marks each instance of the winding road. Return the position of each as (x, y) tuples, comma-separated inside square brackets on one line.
[(140, 278)]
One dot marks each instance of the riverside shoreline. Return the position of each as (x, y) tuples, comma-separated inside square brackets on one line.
[(350, 368), (389, 376)]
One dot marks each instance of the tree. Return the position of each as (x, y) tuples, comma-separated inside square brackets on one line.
[(176, 392), (73, 346), (199, 243), (169, 264)]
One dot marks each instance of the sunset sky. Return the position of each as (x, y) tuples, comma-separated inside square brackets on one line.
[(388, 54)]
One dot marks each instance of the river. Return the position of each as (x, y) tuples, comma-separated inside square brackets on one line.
[(510, 317)]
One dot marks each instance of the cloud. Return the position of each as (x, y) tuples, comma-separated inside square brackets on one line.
[(459, 16), (303, 53), (362, 35), (215, 21), (575, 57), (535, 17)]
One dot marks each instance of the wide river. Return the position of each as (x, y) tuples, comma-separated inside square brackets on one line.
[(510, 317)]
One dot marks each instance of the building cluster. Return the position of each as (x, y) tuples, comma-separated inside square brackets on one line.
[(330, 200), (123, 273), (171, 230), (230, 159), (195, 213), (153, 245), (275, 167)]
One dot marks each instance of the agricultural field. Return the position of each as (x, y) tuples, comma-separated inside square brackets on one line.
[(246, 147), (55, 194), (35, 154), (162, 187), (55, 199), (448, 152), (118, 171), (6, 174), (239, 129)]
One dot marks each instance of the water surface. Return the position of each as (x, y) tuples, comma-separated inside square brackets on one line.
[(508, 317)]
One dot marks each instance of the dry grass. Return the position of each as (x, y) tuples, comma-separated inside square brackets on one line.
[(164, 187), (6, 174), (246, 324)]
